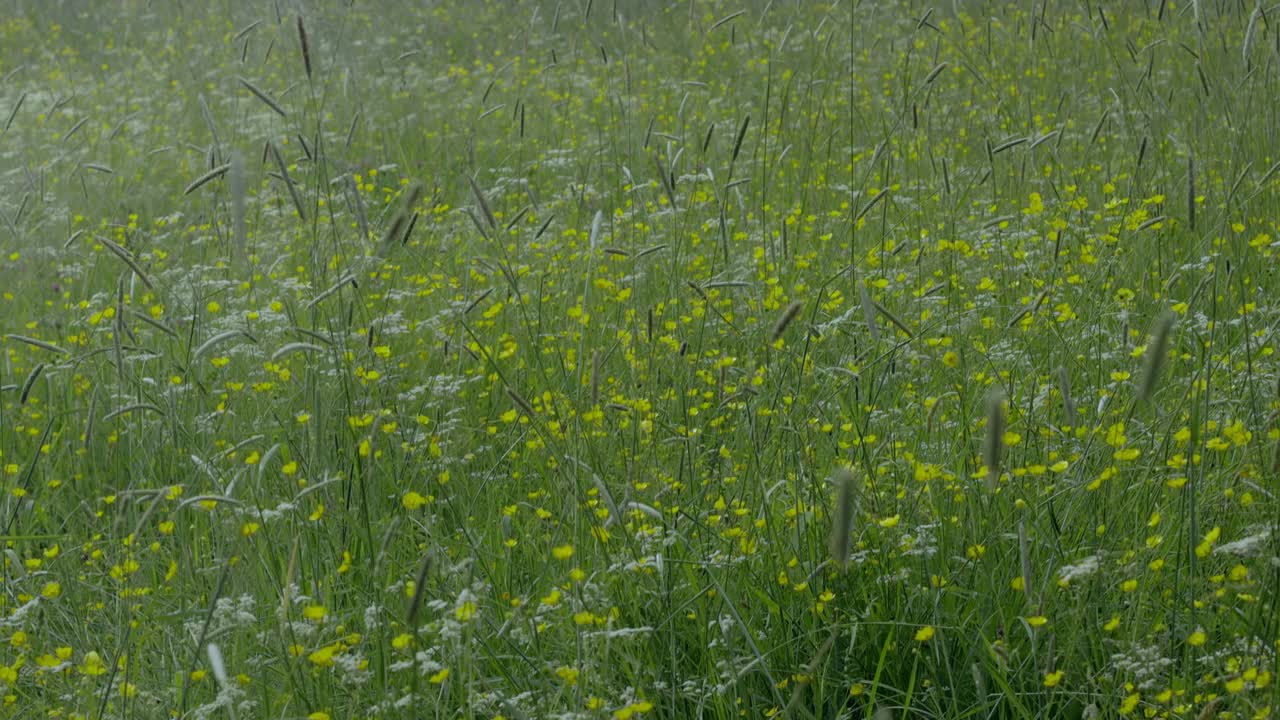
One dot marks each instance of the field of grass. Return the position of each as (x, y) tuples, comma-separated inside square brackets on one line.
[(639, 359)]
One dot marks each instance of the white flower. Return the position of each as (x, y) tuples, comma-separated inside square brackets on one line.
[(1082, 569)]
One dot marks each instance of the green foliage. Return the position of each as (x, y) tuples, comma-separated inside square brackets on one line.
[(630, 359)]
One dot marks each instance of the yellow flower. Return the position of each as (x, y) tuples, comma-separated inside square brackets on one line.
[(1206, 545), (924, 634), (562, 552), (568, 675), (412, 500), (1126, 454), (440, 676), (1115, 435), (889, 522), (1052, 679), (1197, 638), (465, 611), (93, 664), (632, 710), (324, 656), (51, 591)]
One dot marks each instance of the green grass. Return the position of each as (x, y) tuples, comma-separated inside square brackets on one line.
[(533, 359)]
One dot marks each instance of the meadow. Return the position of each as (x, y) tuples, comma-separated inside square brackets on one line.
[(632, 359)]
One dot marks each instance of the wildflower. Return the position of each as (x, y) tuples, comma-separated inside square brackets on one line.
[(1206, 545), (466, 608), (412, 500), (630, 711), (324, 657), (568, 675), (924, 634), (1126, 454), (93, 664)]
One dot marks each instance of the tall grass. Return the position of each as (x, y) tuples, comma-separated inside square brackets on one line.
[(621, 360)]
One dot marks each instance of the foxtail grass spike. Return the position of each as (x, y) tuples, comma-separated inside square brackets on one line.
[(1153, 363), (519, 400), (842, 519), (1064, 389), (306, 46), (993, 448), (784, 320)]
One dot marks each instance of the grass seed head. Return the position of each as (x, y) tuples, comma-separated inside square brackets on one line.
[(842, 519), (993, 448), (1156, 355), (305, 45), (521, 402), (784, 320)]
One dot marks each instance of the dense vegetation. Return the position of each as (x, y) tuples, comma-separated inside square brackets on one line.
[(639, 359)]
